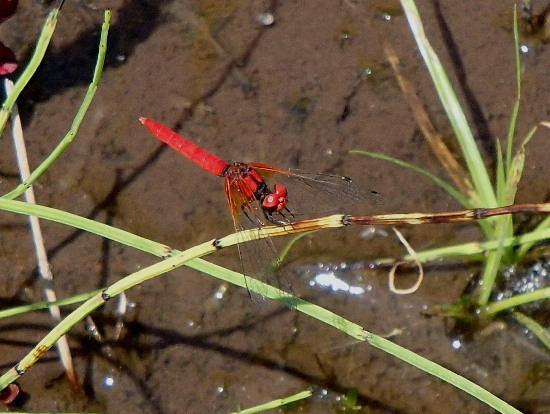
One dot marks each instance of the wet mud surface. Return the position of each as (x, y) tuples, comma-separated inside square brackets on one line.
[(299, 93)]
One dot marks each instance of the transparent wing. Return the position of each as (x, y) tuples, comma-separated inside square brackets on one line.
[(312, 194), (259, 258), (309, 195)]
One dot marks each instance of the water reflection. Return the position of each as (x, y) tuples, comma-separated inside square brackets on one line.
[(331, 281), (332, 277)]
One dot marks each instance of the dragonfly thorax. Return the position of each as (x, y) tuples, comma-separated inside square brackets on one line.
[(252, 186)]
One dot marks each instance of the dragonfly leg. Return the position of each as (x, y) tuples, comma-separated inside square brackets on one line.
[(254, 219), (290, 212), (269, 216)]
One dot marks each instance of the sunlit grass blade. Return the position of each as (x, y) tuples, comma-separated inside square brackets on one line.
[(515, 110), (515, 175), (457, 195), (517, 300), (333, 221), (191, 258), (298, 304), (286, 250), (494, 259), (515, 170), (473, 250), (31, 307), (442, 373), (502, 229), (39, 52), (452, 108), (77, 120), (276, 403), (524, 248), (500, 181), (88, 225), (540, 331)]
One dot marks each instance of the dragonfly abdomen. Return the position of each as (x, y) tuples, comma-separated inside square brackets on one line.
[(208, 161)]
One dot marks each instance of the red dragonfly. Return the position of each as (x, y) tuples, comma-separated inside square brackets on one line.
[(247, 191), (243, 182)]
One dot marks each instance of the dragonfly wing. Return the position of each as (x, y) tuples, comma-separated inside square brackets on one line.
[(311, 194), (259, 258)]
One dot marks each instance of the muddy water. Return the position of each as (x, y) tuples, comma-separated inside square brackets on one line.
[(298, 93)]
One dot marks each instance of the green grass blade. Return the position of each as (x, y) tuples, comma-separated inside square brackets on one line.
[(286, 250), (540, 332), (494, 259), (491, 268), (511, 133), (31, 307), (515, 177), (32, 66), (276, 403), (454, 112), (85, 224), (515, 110), (473, 249), (457, 195), (191, 258), (443, 373), (500, 177), (20, 189), (542, 227), (300, 305), (517, 300), (515, 169)]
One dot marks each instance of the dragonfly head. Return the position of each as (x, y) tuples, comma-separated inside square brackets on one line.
[(276, 200)]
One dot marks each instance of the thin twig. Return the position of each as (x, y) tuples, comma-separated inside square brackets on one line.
[(441, 151), (41, 255)]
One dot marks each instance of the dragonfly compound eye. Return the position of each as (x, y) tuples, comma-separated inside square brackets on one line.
[(280, 190), (274, 201)]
